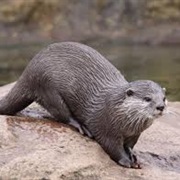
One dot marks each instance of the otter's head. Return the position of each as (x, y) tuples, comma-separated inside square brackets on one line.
[(145, 100)]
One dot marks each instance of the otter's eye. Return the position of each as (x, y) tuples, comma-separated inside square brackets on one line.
[(164, 99), (147, 99)]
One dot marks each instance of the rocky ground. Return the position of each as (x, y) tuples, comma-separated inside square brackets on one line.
[(32, 147)]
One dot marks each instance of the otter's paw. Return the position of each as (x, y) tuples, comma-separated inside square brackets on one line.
[(82, 129), (132, 156), (86, 131), (125, 162), (135, 163), (130, 163)]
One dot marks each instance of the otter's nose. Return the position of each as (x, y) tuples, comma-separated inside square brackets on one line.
[(160, 108)]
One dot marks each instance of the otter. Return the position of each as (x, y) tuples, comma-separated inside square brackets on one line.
[(80, 87)]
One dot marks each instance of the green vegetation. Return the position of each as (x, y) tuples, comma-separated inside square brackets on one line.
[(164, 9), (25, 11)]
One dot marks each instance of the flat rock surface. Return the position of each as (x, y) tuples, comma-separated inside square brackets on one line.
[(34, 147)]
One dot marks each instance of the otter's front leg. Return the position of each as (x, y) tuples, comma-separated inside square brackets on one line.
[(82, 129), (115, 148), (128, 146)]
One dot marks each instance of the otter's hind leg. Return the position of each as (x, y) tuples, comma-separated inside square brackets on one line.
[(56, 106)]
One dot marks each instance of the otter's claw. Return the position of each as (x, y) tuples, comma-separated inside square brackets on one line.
[(129, 164), (131, 154), (86, 131), (136, 166)]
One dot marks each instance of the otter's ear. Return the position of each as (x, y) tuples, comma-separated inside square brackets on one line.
[(129, 92), (164, 89)]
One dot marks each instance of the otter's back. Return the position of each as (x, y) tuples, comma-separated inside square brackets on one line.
[(77, 71), (70, 63)]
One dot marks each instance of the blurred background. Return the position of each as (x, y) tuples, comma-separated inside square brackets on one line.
[(140, 37)]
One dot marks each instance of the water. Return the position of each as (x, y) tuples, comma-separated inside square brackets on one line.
[(161, 64)]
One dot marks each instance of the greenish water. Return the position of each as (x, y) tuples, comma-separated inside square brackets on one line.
[(161, 64)]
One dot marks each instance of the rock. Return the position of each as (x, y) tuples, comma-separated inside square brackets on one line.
[(38, 148)]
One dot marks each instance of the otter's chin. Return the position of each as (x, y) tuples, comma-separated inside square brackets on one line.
[(154, 116)]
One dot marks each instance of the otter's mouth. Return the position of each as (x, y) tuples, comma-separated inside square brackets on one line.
[(158, 114)]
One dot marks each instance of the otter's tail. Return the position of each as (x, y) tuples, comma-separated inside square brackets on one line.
[(16, 100)]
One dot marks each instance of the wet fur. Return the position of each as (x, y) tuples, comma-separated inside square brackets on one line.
[(72, 80)]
